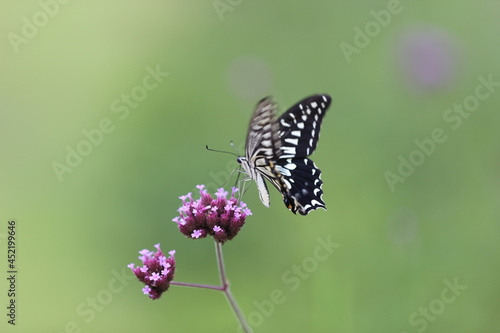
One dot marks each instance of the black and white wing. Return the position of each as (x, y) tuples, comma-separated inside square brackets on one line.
[(299, 133), (261, 144), (277, 149), (263, 131), (300, 125)]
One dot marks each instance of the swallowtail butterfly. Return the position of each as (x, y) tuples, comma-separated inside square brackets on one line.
[(277, 150)]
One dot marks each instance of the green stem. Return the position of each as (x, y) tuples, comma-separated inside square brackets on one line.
[(195, 285), (227, 291)]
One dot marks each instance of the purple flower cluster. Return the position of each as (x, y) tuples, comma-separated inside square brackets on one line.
[(156, 273), (219, 217)]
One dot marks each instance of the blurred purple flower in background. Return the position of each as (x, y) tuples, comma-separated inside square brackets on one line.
[(428, 58)]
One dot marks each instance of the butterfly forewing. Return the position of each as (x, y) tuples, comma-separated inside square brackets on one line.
[(261, 143), (300, 126), (263, 136), (277, 149)]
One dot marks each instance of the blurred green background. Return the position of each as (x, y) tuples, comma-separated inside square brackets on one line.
[(395, 70)]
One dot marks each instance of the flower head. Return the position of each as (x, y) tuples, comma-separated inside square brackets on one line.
[(156, 273), (220, 217)]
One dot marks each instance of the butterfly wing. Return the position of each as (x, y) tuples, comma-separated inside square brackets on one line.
[(261, 144), (302, 181), (299, 133), (300, 126), (263, 135)]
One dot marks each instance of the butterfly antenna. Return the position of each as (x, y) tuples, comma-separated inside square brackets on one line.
[(221, 151), (234, 147)]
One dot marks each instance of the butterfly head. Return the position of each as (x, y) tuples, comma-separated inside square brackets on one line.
[(244, 163)]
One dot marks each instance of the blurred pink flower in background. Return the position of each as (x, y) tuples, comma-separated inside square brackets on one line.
[(428, 59)]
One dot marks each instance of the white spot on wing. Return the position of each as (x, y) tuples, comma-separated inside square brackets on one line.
[(316, 203), (288, 151), (284, 123), (292, 141), (266, 143), (283, 171)]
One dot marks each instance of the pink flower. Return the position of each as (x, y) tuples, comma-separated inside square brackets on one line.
[(220, 217), (156, 273)]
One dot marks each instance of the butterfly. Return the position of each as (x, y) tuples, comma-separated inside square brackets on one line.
[(277, 150)]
